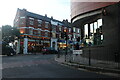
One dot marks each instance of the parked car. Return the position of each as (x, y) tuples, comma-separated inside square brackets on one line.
[(49, 50), (7, 50)]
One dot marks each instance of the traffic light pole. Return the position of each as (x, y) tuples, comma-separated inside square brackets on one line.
[(89, 56), (66, 47)]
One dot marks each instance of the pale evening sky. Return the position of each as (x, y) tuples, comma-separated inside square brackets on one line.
[(59, 9)]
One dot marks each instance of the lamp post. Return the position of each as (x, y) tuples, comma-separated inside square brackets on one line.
[(65, 34)]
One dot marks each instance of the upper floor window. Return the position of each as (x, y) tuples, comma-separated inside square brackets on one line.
[(46, 34), (22, 17), (78, 30), (31, 22), (69, 30), (54, 28), (31, 18), (60, 29), (31, 31), (39, 23), (74, 29), (46, 24), (39, 32)]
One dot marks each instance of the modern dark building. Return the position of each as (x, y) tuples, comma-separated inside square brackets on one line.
[(100, 28)]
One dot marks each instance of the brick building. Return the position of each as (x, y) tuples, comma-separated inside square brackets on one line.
[(41, 31)]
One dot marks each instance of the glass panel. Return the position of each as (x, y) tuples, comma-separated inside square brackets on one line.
[(99, 22), (95, 27), (86, 31)]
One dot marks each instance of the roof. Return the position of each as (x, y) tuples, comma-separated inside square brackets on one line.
[(38, 16)]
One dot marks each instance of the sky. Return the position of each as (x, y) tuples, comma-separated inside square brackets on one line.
[(59, 9)]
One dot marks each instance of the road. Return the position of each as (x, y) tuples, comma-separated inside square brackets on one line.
[(41, 66)]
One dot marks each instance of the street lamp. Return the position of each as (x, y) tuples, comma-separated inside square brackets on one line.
[(65, 34)]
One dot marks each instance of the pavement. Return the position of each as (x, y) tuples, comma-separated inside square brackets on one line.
[(97, 66)]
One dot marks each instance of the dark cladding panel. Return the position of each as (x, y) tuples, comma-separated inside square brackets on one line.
[(82, 7)]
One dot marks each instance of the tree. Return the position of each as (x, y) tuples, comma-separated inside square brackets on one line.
[(9, 33)]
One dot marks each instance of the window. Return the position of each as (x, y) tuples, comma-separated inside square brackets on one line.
[(46, 24), (22, 17), (78, 30), (60, 28), (46, 34), (39, 32), (60, 36), (93, 33), (74, 29), (21, 22), (31, 31), (39, 23), (53, 28), (95, 27), (31, 18), (73, 35), (69, 30), (54, 35), (31, 22), (86, 31)]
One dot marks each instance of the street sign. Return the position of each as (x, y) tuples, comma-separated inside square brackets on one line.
[(77, 51)]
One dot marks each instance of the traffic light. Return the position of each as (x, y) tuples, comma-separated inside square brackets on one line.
[(64, 34)]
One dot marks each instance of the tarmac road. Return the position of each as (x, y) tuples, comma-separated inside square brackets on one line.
[(41, 66)]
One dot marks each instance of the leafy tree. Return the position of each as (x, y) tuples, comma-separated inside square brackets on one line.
[(9, 33)]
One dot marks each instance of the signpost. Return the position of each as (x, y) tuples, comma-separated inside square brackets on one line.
[(77, 51)]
